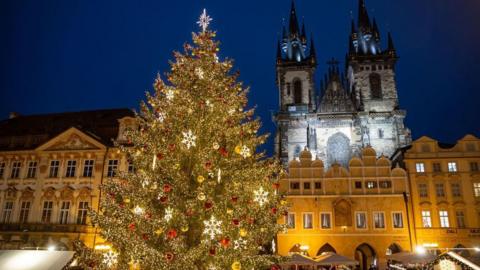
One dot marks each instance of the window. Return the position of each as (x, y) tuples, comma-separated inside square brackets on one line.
[(297, 91), (460, 219), (15, 169), (308, 221), (54, 165), (473, 167), (437, 167), (397, 220), (375, 86), (64, 210), (7, 212), (426, 219), (318, 185), (71, 167), (440, 190), (420, 167), (422, 190), (378, 220), (131, 168), (325, 220), (476, 189), (291, 220), (306, 185), (112, 167), (2, 169), (452, 166), (24, 211), (32, 169), (358, 184), (386, 184), (47, 211), (371, 184), (361, 220), (380, 133), (82, 213), (443, 219), (88, 168), (456, 191), (295, 185)]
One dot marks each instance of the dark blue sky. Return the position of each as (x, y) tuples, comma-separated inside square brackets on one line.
[(59, 55)]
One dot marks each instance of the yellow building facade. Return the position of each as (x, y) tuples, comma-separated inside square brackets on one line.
[(51, 167), (445, 185), (359, 212)]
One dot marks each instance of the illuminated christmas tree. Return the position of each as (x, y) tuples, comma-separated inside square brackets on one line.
[(200, 197)]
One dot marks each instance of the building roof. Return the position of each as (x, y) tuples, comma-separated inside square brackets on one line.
[(30, 131)]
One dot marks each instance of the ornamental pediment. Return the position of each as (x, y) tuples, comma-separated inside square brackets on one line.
[(72, 139)]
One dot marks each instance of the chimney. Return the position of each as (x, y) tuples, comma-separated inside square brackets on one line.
[(13, 115)]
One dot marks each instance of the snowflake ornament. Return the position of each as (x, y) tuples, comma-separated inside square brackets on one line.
[(189, 139), (260, 196), (110, 258), (160, 117), (212, 227), (240, 243), (245, 152), (168, 214), (169, 95), (199, 72), (204, 20), (138, 210)]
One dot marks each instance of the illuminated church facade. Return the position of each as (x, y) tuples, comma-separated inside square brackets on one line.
[(356, 106)]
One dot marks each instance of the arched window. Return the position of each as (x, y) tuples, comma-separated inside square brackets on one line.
[(375, 86), (297, 91)]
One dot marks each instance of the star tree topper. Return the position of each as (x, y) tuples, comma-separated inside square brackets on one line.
[(204, 20)]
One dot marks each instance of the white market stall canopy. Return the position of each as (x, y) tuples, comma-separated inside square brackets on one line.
[(34, 259), (330, 258)]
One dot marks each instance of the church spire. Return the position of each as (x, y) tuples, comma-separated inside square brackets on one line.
[(363, 19), (293, 23), (376, 33), (303, 36), (391, 47), (313, 54)]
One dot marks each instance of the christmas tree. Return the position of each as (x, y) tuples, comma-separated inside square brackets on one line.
[(200, 196)]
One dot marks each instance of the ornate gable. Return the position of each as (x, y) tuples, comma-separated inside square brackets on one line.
[(72, 139)]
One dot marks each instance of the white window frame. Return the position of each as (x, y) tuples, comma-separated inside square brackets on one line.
[(304, 214), (82, 213), (25, 207), (320, 215), (365, 214), (427, 218), (457, 211), (2, 169), (71, 168), (112, 168), (420, 190), (401, 218), (32, 169), (456, 193), (16, 168), (443, 195), (64, 212), (7, 213), (420, 167), (54, 168), (287, 218), (88, 168), (452, 166), (382, 213), (443, 217), (47, 211), (476, 189)]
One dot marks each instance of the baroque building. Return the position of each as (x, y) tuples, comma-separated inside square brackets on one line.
[(352, 111), (360, 212), (445, 192), (51, 167)]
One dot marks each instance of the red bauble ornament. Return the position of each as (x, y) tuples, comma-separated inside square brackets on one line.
[(131, 226), (169, 256), (276, 185), (234, 199), (148, 215), (163, 199), (251, 220), (225, 242), (212, 251), (275, 267), (145, 236), (223, 151), (236, 221), (274, 210), (121, 205), (171, 147), (208, 165), (172, 233), (167, 188), (159, 156), (189, 212), (208, 205)]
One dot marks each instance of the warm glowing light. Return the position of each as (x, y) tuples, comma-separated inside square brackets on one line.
[(420, 250), (138, 210), (103, 247), (51, 248), (477, 249), (430, 245), (304, 247)]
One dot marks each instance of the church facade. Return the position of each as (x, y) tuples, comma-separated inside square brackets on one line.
[(355, 108)]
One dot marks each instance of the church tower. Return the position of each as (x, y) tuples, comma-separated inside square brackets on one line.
[(295, 71), (371, 80)]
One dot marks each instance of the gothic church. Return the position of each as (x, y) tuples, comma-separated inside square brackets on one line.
[(352, 111)]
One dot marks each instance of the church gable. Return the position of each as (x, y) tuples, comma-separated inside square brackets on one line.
[(71, 139)]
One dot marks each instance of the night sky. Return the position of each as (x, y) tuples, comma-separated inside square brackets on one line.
[(73, 55)]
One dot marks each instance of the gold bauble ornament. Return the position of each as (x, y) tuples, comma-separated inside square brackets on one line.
[(229, 211), (184, 228), (159, 231), (200, 179), (216, 146), (283, 202), (236, 265), (176, 166), (201, 196), (126, 200), (238, 149), (243, 232)]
